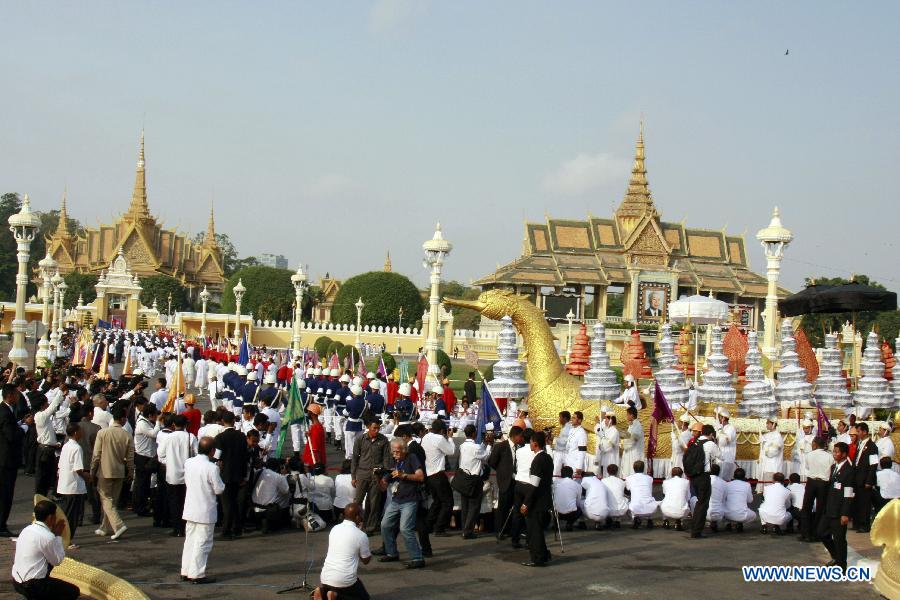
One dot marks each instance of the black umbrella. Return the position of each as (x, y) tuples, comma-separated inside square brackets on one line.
[(798, 304), (853, 297)]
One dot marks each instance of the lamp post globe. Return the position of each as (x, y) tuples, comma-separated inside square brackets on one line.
[(774, 239)]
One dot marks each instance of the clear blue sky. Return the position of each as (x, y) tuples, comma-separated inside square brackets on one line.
[(333, 131)]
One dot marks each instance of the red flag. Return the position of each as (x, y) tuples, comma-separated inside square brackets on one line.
[(421, 373), (662, 413)]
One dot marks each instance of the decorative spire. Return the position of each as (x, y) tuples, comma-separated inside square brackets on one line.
[(210, 240), (138, 207), (387, 263), (638, 200), (62, 227)]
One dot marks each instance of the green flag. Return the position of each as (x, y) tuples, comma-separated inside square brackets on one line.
[(293, 415), (404, 371)]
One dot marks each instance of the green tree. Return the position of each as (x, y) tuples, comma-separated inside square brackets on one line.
[(345, 350), (390, 363), (887, 323), (463, 318), (159, 287), (83, 284), (444, 363), (321, 345), (269, 295), (333, 348), (383, 294)]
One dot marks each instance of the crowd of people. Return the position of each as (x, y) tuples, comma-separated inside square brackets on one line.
[(412, 463)]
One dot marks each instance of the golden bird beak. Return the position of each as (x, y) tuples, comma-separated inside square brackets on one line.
[(475, 305)]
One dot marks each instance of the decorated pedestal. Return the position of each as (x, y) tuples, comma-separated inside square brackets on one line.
[(578, 356), (758, 394), (600, 381), (872, 390), (669, 377), (792, 389), (509, 374), (716, 387), (831, 386)]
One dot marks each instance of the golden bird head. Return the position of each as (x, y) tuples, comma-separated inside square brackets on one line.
[(494, 304)]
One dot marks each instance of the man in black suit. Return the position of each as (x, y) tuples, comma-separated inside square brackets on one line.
[(503, 461), (469, 388), (833, 526), (538, 501), (864, 456), (233, 456), (11, 439)]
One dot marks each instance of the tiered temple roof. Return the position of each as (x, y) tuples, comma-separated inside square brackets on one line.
[(147, 246)]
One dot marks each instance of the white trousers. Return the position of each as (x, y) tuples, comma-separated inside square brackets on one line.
[(350, 438), (198, 542)]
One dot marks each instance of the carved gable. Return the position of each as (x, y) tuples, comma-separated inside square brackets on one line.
[(136, 251), (647, 246)]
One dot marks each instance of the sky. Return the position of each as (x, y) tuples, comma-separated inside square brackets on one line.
[(333, 132)]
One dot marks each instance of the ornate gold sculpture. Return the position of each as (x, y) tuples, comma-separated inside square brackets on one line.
[(885, 530)]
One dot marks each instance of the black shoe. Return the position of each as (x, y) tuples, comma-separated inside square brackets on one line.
[(472, 536), (415, 564), (569, 527), (863, 530), (649, 523), (616, 524), (442, 534), (427, 553), (185, 578), (777, 530), (764, 529), (714, 527), (739, 528), (388, 558), (678, 525), (533, 564), (697, 536), (636, 523), (379, 552), (831, 563), (517, 545), (728, 527), (665, 523), (202, 580)]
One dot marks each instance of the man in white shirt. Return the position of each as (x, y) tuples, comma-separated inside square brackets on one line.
[(576, 445), (884, 442), (322, 492), (771, 454), (203, 483), (618, 502), (161, 394), (271, 497), (174, 451), (607, 449), (437, 448), (567, 499), (596, 500), (642, 502), (775, 505), (47, 445), (817, 464), (676, 499), (802, 446), (561, 442), (71, 488), (738, 498), (522, 462), (472, 458), (726, 438), (146, 429), (38, 549), (888, 483), (347, 546)]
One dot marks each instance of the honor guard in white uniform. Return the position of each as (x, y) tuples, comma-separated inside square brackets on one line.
[(632, 443), (576, 445), (607, 449), (561, 442), (726, 437), (679, 438), (802, 447), (771, 454)]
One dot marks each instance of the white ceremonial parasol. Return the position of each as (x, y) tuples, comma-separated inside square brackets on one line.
[(700, 310)]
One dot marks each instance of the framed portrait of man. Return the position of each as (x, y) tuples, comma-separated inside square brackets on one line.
[(653, 301)]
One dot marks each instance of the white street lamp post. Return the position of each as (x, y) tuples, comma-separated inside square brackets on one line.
[(774, 239), (204, 298), (570, 316), (238, 290), (24, 226), (299, 280), (54, 335), (63, 286), (47, 266), (359, 306), (399, 327), (436, 250)]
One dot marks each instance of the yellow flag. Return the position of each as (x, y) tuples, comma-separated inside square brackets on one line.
[(126, 368), (176, 388), (104, 362)]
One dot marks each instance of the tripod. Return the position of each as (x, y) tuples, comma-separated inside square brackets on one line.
[(303, 582), (556, 517)]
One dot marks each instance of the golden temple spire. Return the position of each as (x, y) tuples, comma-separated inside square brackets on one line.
[(210, 240), (138, 207), (62, 227), (387, 263), (638, 200)]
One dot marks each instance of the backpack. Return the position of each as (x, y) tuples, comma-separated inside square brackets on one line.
[(694, 460)]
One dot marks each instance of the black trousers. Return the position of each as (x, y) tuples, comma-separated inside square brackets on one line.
[(73, 507), (422, 528), (46, 467), (357, 591), (140, 500), (703, 490), (862, 506), (369, 491), (160, 499), (30, 447), (48, 588), (516, 520), (536, 521), (94, 500), (816, 494), (570, 517), (504, 503), (470, 508), (7, 488), (232, 519), (441, 502), (176, 494), (834, 537)]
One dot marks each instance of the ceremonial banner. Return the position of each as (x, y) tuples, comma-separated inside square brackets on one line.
[(361, 368), (488, 412), (176, 388), (335, 362), (404, 371), (382, 371), (421, 373), (104, 362), (662, 413), (244, 356), (293, 415)]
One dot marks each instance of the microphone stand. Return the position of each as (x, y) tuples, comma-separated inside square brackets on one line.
[(303, 583)]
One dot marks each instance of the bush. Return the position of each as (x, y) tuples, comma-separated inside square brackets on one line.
[(390, 363), (444, 363), (333, 347), (489, 372), (269, 295), (321, 345), (383, 295), (344, 351)]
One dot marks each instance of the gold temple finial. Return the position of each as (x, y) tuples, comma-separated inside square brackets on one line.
[(210, 240), (138, 207), (62, 227), (638, 202), (387, 263)]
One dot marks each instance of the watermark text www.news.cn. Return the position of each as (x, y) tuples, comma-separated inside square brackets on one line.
[(805, 573)]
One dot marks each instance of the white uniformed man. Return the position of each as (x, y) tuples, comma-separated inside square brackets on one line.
[(884, 442), (561, 442), (606, 451), (679, 439), (567, 498), (676, 502), (726, 437), (738, 498), (632, 443), (802, 447), (202, 484), (775, 505), (629, 395), (576, 445), (618, 502), (642, 504), (771, 454), (596, 500)]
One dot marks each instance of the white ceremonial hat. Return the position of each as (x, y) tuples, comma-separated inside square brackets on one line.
[(249, 366), (437, 390), (523, 406), (334, 373), (629, 378), (772, 419), (487, 426), (301, 385), (328, 392), (405, 389), (357, 380), (138, 372), (310, 371), (320, 391), (243, 372), (375, 385), (345, 378), (270, 378), (685, 418), (370, 375), (356, 390), (724, 413), (806, 423), (251, 376), (317, 371), (884, 425)]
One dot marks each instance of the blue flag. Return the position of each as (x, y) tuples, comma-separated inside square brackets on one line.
[(244, 354), (488, 412)]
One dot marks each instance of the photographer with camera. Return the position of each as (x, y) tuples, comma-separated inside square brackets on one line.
[(403, 481)]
